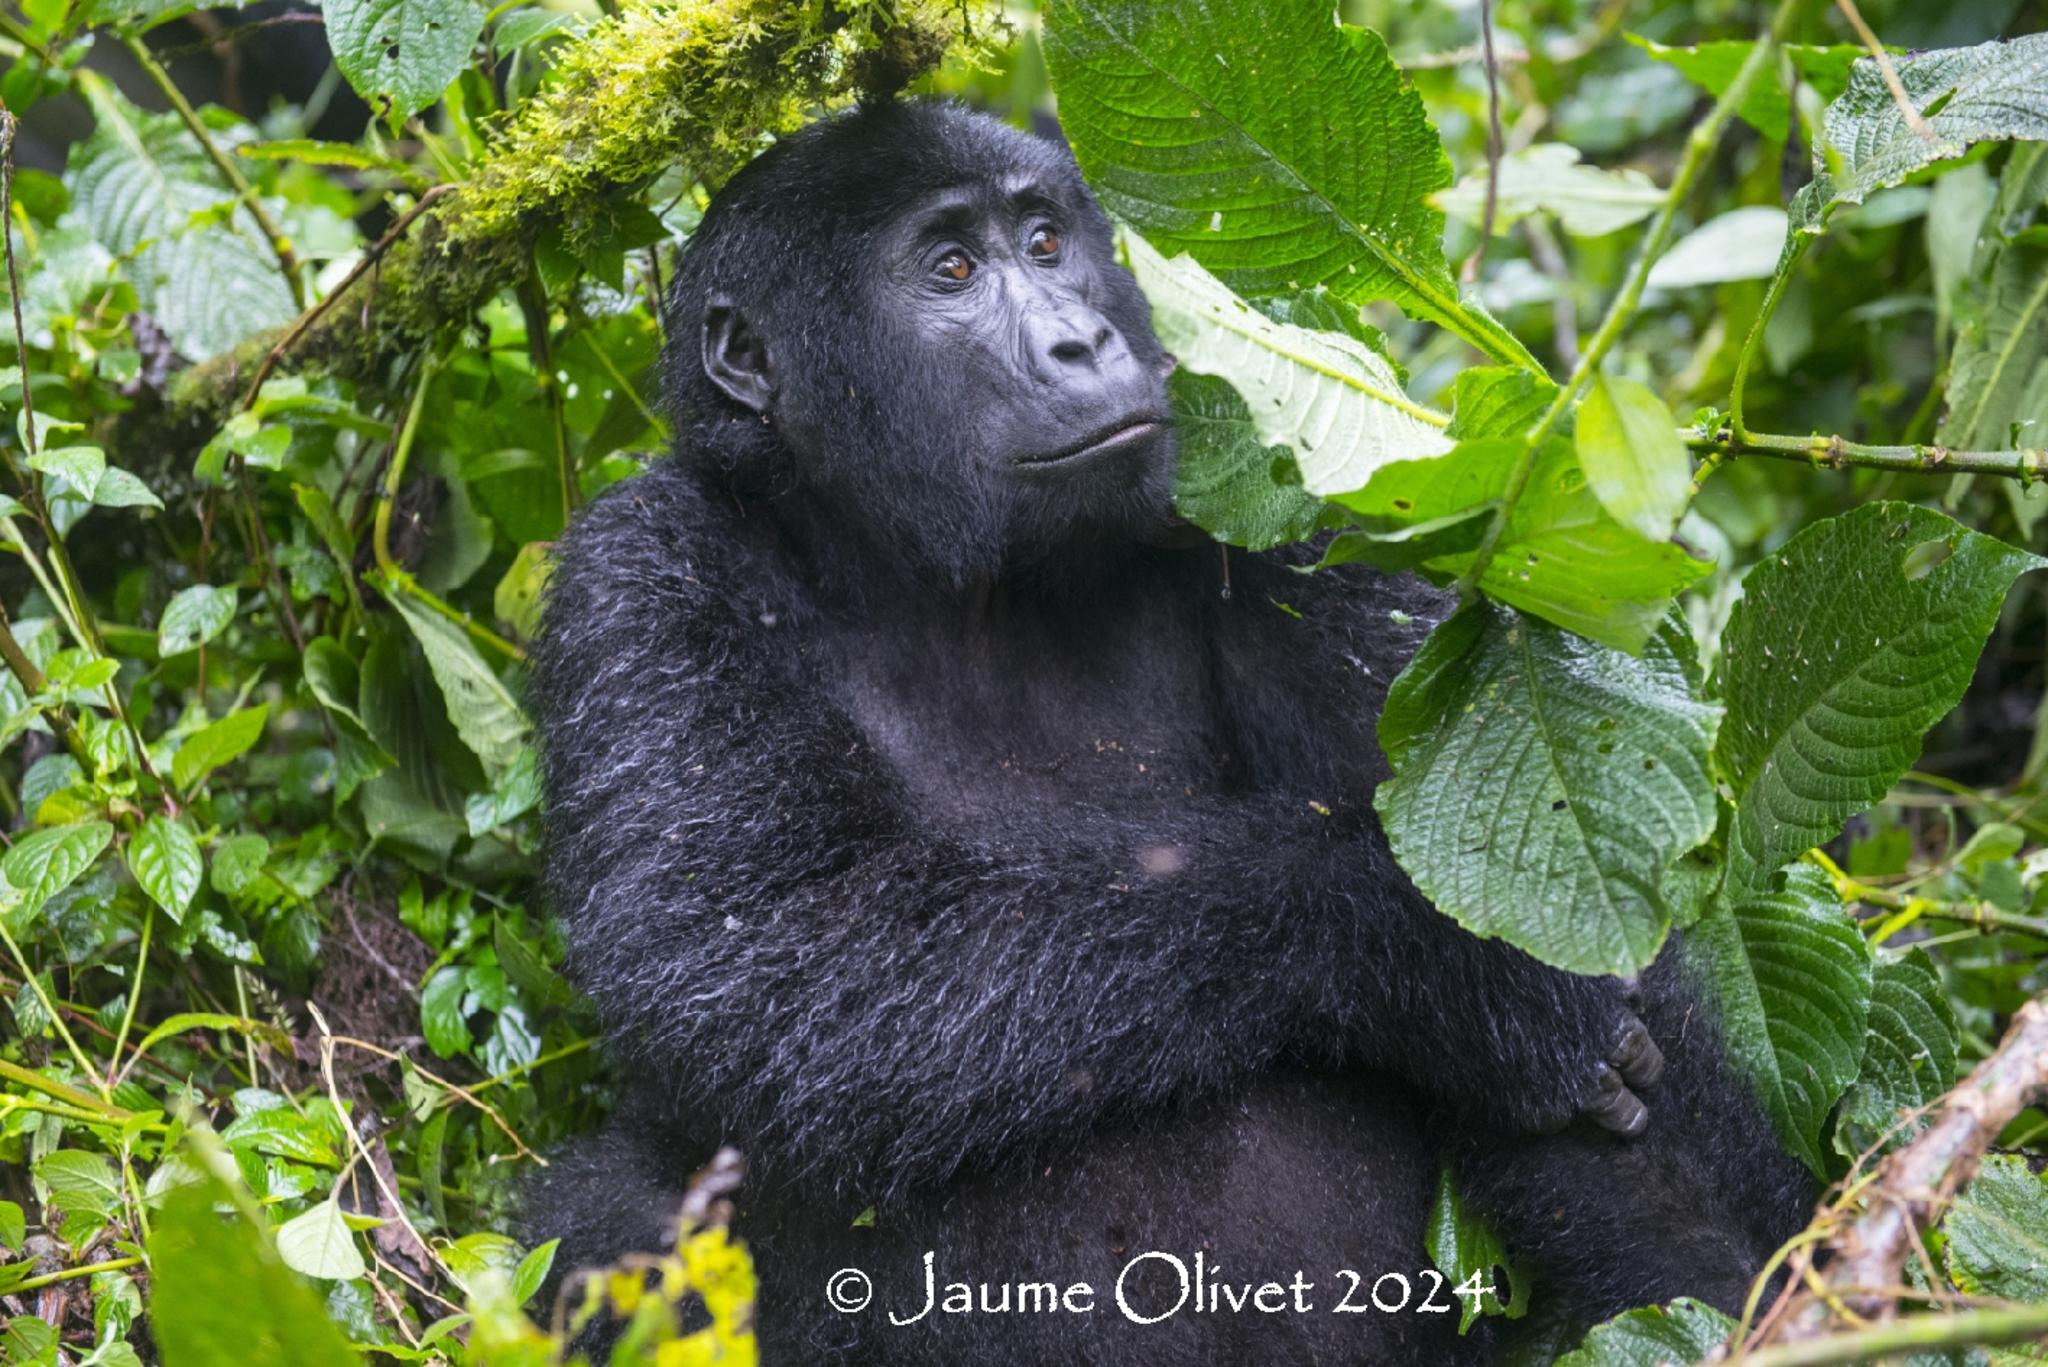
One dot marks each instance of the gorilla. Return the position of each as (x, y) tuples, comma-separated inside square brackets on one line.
[(939, 820)]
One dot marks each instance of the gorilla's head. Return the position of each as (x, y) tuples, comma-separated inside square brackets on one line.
[(907, 324)]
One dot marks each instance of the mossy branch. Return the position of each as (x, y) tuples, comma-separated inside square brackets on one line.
[(659, 83)]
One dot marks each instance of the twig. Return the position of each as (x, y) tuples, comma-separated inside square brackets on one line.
[(1915, 1185), (2029, 465), (304, 322), (1493, 141), (280, 245), (69, 1273), (457, 1089), (31, 680), (1886, 70), (114, 1069), (533, 305), (1699, 146)]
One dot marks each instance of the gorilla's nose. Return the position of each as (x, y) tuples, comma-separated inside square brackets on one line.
[(1064, 340)]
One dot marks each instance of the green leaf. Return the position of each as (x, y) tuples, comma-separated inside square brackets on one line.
[(319, 1244), (1793, 979), (215, 1020), (442, 1019), (1633, 458), (1656, 1336), (1909, 1056), (44, 863), (1404, 548), (1215, 130), (119, 489), (164, 858), (81, 1185), (482, 1252), (1855, 637), (1464, 1247), (193, 617), (1742, 244), (1765, 108), (1223, 479), (78, 466), (1543, 783), (1977, 94), (1999, 375), (1998, 1232), (13, 1226), (401, 54), (238, 861), (219, 1293), (206, 749), (482, 709), (1561, 556), (1330, 397), (533, 1270), (287, 1134), (1547, 178)]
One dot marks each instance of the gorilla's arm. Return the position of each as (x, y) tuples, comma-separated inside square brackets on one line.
[(865, 1000)]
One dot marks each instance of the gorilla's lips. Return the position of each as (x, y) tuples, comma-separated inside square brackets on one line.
[(1121, 435)]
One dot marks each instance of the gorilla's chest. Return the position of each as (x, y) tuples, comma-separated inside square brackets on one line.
[(1038, 723)]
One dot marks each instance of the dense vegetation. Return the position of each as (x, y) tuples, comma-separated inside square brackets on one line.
[(1704, 348)]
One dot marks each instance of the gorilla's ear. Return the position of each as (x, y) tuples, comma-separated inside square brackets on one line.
[(735, 356)]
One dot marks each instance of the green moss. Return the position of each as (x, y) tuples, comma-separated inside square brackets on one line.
[(700, 83)]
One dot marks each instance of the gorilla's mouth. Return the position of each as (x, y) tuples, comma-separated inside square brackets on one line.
[(1121, 435)]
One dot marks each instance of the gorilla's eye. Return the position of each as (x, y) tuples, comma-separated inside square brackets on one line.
[(954, 265), (1045, 243)]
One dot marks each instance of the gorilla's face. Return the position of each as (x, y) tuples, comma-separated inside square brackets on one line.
[(993, 289), (925, 308)]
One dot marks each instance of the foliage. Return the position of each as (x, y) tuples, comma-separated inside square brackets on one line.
[(287, 1021)]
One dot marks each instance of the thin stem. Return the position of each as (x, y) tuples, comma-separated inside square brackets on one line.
[(1795, 249), (2028, 465), (134, 992), (1699, 146), (1886, 70), (1493, 140), (280, 245), (71, 1273), (534, 305), (104, 1112)]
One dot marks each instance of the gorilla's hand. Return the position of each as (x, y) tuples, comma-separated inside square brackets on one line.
[(1632, 1061)]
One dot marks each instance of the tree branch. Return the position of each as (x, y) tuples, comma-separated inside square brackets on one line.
[(1912, 1189)]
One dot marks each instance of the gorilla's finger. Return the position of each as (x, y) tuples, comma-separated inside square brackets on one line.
[(1614, 1107), (1636, 1056)]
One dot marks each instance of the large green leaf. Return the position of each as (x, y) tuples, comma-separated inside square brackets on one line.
[(1632, 455), (1561, 557), (1331, 398), (1849, 642), (482, 708), (193, 617), (217, 743), (1223, 479), (1468, 1252), (44, 863), (1909, 1055), (1279, 148), (219, 1293), (1543, 784), (1998, 1232), (1792, 976), (401, 54), (1998, 380), (1656, 1336), (318, 1243), (1994, 91), (164, 858), (1988, 93), (145, 188)]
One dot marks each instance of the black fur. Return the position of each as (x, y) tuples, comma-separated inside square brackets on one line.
[(960, 848)]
